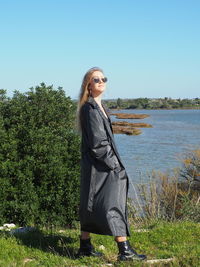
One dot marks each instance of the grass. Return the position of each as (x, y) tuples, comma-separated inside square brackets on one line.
[(178, 240)]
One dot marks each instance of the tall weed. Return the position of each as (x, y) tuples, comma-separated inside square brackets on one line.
[(170, 197)]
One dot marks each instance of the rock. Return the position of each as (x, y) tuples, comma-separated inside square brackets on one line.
[(61, 231), (160, 260), (9, 225), (141, 230), (27, 260), (102, 247)]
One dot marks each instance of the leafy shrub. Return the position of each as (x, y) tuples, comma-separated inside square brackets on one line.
[(39, 158)]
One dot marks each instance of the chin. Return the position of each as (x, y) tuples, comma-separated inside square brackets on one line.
[(100, 90)]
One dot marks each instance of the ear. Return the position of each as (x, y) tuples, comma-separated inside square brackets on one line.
[(89, 90)]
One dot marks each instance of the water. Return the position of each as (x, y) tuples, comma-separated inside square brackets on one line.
[(174, 132)]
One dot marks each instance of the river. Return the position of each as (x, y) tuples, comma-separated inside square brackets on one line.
[(160, 148)]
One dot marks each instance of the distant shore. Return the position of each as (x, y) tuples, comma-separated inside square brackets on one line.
[(153, 103)]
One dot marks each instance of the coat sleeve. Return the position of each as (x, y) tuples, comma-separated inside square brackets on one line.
[(98, 142)]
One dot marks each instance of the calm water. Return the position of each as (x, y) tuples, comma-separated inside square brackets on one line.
[(159, 148)]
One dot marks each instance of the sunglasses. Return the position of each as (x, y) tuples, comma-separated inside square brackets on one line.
[(97, 80)]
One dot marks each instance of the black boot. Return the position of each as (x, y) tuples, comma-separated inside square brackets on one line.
[(127, 253), (87, 249)]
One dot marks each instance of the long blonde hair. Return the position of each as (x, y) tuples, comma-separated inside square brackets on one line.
[(84, 94)]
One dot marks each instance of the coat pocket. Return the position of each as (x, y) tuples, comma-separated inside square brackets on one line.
[(120, 173), (92, 189)]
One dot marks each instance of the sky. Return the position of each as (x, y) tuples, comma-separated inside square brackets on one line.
[(147, 48)]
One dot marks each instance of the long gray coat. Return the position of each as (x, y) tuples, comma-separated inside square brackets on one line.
[(104, 181)]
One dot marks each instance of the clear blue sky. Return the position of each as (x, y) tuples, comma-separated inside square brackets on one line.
[(147, 48)]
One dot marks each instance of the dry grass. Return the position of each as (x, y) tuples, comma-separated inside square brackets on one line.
[(170, 197), (125, 130), (131, 124), (191, 168), (129, 116)]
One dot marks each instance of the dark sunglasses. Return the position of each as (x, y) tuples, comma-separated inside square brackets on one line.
[(97, 80)]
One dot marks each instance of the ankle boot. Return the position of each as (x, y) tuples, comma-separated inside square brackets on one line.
[(127, 253), (87, 249)]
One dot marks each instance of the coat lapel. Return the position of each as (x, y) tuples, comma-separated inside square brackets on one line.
[(107, 123)]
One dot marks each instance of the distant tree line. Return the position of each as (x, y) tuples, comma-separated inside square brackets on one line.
[(152, 103), (39, 158)]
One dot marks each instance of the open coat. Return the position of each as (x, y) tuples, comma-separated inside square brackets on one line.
[(104, 181)]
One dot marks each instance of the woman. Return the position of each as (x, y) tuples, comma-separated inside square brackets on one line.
[(104, 181)]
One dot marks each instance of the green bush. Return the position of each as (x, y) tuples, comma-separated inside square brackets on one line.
[(39, 158)]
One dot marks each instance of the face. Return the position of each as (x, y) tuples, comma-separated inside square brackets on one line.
[(97, 85)]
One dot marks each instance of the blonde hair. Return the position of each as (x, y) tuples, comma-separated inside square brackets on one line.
[(84, 94)]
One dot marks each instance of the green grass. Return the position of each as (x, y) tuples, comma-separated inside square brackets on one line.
[(180, 240)]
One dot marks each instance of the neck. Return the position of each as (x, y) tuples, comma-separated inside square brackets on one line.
[(98, 99)]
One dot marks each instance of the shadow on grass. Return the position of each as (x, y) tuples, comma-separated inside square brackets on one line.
[(56, 244)]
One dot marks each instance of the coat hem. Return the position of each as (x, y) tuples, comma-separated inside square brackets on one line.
[(109, 234), (106, 233)]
